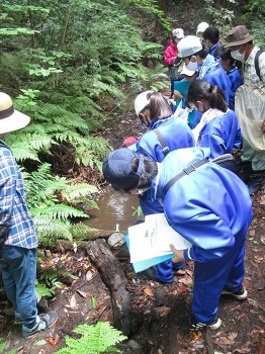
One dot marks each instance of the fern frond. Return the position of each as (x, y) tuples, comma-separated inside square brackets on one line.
[(74, 192), (59, 211), (49, 230), (81, 231), (95, 339)]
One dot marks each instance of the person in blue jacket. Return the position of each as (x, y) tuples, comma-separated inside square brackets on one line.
[(191, 51), (218, 128), (232, 70), (212, 42), (165, 133), (205, 203)]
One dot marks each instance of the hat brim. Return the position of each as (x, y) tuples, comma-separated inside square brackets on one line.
[(16, 121), (243, 41)]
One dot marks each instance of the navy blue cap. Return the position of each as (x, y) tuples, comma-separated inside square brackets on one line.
[(117, 169)]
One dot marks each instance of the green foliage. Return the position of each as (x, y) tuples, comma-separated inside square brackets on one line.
[(61, 69), (254, 17), (43, 291), (2, 347), (49, 198), (221, 15), (95, 339)]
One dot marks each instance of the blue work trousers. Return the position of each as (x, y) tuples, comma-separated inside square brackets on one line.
[(211, 277), (19, 275)]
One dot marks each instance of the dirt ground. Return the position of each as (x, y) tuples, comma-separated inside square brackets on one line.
[(162, 327)]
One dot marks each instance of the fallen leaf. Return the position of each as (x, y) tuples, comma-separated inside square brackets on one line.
[(81, 293), (148, 292), (40, 342), (89, 275), (73, 303), (53, 341)]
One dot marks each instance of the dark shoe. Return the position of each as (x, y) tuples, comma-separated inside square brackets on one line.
[(256, 182), (245, 171), (199, 326), (240, 295), (150, 274), (44, 321)]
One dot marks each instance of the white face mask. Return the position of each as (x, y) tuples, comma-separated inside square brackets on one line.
[(237, 55), (192, 66)]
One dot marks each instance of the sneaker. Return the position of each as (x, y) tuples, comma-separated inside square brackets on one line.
[(43, 321), (199, 326), (240, 295)]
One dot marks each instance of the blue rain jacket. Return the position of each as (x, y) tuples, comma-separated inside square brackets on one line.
[(209, 207), (176, 135), (221, 134), (236, 81), (218, 77)]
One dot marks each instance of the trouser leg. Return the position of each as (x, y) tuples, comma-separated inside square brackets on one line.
[(19, 276), (211, 277), (164, 272)]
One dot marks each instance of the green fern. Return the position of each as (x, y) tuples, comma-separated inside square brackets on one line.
[(53, 203), (95, 339), (2, 347)]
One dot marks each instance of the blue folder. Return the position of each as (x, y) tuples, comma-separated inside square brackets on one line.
[(143, 265)]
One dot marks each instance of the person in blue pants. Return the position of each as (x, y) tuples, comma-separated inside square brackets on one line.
[(165, 133), (18, 238), (208, 205)]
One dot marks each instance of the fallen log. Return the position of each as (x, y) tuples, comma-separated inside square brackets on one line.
[(115, 279)]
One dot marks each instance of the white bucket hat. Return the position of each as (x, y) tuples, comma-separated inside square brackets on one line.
[(202, 27), (189, 46), (10, 119), (141, 101)]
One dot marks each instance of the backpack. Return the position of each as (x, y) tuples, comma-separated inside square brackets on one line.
[(250, 111), (256, 61)]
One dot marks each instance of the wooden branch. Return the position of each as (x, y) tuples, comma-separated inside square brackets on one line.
[(115, 279)]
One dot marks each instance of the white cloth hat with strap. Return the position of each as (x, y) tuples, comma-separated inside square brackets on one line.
[(10, 119)]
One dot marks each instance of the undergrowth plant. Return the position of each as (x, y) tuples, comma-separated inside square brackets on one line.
[(49, 199), (94, 339), (2, 348)]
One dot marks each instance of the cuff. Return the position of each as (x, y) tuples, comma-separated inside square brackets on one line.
[(187, 255)]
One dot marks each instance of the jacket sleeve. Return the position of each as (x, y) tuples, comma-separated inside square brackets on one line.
[(7, 192), (169, 57), (209, 235)]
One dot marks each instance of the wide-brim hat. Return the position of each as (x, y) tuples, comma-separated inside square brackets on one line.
[(117, 169), (237, 36), (10, 119)]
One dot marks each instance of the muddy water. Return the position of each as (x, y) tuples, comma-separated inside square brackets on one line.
[(114, 208)]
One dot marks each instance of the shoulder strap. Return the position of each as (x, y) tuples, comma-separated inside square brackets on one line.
[(185, 172), (165, 148), (256, 61)]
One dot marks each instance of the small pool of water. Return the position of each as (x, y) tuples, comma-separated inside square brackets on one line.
[(114, 208)]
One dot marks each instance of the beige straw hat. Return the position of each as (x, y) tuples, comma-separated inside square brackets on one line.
[(10, 119)]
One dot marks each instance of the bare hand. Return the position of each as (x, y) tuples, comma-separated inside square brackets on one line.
[(177, 95), (178, 255)]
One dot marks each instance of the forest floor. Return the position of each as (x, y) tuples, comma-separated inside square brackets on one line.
[(163, 327)]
